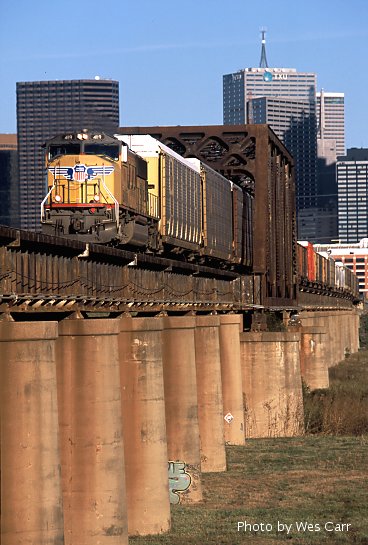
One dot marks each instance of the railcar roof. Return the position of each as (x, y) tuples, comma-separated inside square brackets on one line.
[(147, 146)]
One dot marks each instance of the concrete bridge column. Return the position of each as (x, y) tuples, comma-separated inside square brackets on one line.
[(352, 331), (313, 361), (341, 336), (356, 319), (231, 378), (144, 429), (330, 322), (209, 388), (271, 384), (347, 328), (91, 432), (325, 320), (180, 383), (31, 497)]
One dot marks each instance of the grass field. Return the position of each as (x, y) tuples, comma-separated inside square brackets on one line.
[(315, 479)]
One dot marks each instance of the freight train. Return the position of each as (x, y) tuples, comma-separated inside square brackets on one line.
[(324, 273), (134, 191)]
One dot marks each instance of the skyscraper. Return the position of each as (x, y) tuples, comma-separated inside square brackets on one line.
[(286, 100), (331, 119), (352, 181), (45, 108), (330, 144), (241, 87)]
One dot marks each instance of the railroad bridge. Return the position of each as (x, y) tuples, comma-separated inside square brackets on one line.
[(114, 364), (131, 371)]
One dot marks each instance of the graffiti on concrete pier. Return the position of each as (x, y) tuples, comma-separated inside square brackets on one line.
[(179, 480)]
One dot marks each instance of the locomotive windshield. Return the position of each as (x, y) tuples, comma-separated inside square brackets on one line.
[(111, 151), (63, 149)]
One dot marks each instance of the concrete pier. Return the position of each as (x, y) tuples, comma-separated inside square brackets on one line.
[(180, 383), (144, 429), (271, 384), (91, 432), (231, 378), (313, 358), (31, 497), (209, 390), (342, 332)]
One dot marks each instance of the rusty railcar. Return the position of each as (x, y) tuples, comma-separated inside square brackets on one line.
[(254, 159)]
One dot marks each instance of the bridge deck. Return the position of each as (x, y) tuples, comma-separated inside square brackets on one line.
[(39, 273)]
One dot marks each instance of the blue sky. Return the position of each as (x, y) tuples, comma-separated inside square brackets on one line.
[(169, 57)]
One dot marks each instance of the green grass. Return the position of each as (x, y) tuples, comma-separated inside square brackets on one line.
[(316, 478), (343, 408), (312, 479)]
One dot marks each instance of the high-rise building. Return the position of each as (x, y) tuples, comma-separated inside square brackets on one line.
[(9, 186), (286, 100), (352, 182), (45, 108), (239, 88), (331, 119), (330, 144)]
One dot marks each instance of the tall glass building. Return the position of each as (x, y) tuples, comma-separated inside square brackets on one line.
[(45, 108)]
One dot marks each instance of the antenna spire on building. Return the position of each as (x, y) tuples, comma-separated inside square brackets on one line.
[(263, 62)]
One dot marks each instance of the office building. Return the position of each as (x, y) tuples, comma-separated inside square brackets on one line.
[(243, 86), (352, 183), (330, 144), (286, 100), (45, 108), (330, 110), (9, 186)]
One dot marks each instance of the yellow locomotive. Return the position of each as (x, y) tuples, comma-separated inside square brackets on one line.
[(89, 176)]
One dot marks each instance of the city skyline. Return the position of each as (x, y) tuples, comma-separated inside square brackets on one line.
[(170, 63)]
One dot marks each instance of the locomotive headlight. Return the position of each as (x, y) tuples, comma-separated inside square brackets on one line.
[(96, 198), (57, 198)]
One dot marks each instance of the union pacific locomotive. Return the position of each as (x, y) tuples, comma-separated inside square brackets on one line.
[(134, 191)]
